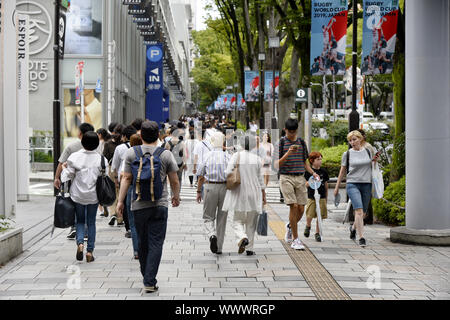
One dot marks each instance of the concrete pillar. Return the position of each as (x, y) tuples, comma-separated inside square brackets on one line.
[(8, 164), (427, 65)]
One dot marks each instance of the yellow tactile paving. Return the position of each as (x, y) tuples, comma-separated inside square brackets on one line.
[(318, 278)]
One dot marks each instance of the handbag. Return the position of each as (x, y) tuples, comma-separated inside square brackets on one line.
[(234, 178), (261, 228), (105, 187), (377, 182), (64, 213)]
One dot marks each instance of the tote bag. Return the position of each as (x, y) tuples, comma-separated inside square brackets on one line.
[(262, 224), (234, 178), (377, 182), (105, 187), (64, 213)]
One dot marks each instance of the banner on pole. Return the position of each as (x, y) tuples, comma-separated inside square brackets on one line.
[(379, 35), (268, 85), (328, 37), (79, 81), (251, 88), (154, 84)]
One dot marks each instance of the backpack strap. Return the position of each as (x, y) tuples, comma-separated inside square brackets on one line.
[(102, 163), (348, 160), (305, 151), (138, 152), (158, 151), (281, 151), (128, 145)]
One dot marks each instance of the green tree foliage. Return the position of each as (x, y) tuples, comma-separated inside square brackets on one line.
[(213, 69)]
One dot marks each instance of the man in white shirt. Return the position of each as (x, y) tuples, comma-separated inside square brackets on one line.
[(200, 151)]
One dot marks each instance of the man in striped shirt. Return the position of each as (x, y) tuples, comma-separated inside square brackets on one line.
[(292, 155), (212, 173)]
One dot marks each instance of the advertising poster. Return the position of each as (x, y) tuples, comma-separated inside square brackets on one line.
[(154, 84), (230, 99), (251, 89), (379, 35), (241, 102), (72, 111), (268, 85), (84, 28), (328, 37)]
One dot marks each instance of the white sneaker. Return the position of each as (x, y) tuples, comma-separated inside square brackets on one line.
[(288, 236), (297, 245)]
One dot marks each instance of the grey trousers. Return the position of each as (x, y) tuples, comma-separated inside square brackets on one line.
[(214, 218)]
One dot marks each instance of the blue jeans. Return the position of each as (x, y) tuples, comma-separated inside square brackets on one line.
[(151, 226), (360, 194), (134, 236), (86, 214)]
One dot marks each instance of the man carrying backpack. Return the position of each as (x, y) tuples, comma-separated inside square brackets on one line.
[(146, 168)]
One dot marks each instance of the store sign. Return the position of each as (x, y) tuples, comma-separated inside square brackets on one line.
[(40, 25), (154, 84)]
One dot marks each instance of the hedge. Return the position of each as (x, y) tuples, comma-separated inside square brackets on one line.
[(387, 212)]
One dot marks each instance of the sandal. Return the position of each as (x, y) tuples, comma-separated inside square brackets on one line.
[(89, 257), (79, 255), (307, 230), (318, 238)]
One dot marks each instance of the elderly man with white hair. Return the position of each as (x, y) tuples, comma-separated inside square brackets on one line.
[(212, 173)]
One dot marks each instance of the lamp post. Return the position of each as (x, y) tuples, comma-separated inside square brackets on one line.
[(274, 42), (261, 58), (56, 96)]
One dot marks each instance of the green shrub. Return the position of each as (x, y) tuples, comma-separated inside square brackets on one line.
[(332, 157), (318, 144), (387, 212), (40, 156), (338, 132)]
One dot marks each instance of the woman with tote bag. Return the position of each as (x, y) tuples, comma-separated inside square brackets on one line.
[(247, 198), (84, 168)]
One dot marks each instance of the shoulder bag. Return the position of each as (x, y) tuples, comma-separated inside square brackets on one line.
[(105, 187), (234, 178), (64, 213)]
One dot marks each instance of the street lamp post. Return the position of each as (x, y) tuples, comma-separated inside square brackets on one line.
[(261, 58), (353, 121), (56, 97), (274, 42)]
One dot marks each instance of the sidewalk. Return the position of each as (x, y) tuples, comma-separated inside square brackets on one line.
[(190, 271)]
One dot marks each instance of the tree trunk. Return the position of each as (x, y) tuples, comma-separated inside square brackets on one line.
[(253, 57), (287, 90)]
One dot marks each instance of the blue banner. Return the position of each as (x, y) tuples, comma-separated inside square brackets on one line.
[(379, 35), (328, 36), (268, 85), (154, 84), (251, 89)]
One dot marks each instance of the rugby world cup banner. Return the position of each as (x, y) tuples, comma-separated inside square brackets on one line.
[(328, 36), (154, 105), (379, 35), (251, 88), (268, 85)]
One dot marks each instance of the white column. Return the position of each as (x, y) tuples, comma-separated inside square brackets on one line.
[(427, 65), (23, 142), (8, 165)]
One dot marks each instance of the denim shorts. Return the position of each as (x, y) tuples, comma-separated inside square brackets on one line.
[(360, 194)]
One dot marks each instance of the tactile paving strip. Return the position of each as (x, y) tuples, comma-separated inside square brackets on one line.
[(318, 278)]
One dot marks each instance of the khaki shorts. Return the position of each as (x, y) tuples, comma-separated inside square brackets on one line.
[(311, 208), (293, 189)]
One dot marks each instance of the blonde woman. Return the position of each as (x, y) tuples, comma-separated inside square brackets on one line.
[(359, 181)]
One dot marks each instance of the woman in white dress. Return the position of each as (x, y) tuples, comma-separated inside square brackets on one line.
[(267, 159), (246, 201), (190, 144)]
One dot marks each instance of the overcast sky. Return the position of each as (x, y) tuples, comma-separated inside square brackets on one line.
[(200, 13)]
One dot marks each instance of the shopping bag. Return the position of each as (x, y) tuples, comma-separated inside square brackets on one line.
[(262, 224), (64, 213), (377, 182)]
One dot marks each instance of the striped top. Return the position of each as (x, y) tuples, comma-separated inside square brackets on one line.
[(295, 163), (214, 165)]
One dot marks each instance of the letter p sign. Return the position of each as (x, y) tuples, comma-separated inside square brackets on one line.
[(154, 54)]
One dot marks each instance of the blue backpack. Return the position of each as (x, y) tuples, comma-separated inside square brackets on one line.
[(146, 168)]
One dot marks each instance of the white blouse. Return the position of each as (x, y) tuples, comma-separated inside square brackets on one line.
[(83, 168), (247, 197)]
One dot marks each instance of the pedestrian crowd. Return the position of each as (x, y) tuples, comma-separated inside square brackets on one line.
[(229, 170)]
